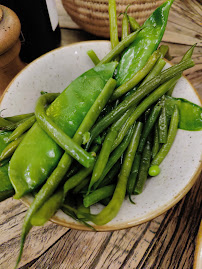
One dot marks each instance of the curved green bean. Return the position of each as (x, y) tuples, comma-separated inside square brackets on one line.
[(63, 140), (115, 156), (22, 128), (171, 137), (98, 195), (112, 209)]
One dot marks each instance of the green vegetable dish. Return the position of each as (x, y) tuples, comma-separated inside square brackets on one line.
[(104, 150)]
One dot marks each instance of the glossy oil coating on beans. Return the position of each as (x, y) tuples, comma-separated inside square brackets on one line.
[(137, 96)]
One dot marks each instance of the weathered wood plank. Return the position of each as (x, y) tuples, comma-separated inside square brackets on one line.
[(165, 242)]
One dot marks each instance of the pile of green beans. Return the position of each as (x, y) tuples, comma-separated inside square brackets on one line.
[(126, 133)]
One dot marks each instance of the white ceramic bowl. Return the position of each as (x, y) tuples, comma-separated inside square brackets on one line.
[(52, 73)]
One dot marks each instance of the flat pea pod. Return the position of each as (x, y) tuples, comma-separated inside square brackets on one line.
[(130, 84), (98, 195), (22, 128), (147, 41), (93, 56), (144, 167), (63, 140), (171, 137), (190, 114), (119, 48), (133, 175), (137, 96), (10, 148), (112, 209), (153, 116)]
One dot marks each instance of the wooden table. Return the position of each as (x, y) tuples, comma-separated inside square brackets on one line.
[(167, 241)]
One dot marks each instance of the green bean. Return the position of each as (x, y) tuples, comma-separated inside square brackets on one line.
[(111, 176), (144, 167), (81, 185), (130, 84), (93, 56), (112, 209), (115, 156), (107, 148), (113, 24), (156, 144), (48, 209), (98, 195), (153, 116), (63, 140), (187, 55), (133, 23), (19, 117), (10, 148), (119, 48), (95, 109), (162, 124), (137, 96), (73, 181), (22, 128), (155, 71), (122, 133), (8, 125), (171, 137), (125, 26), (133, 176)]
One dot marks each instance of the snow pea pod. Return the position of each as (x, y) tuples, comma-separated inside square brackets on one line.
[(190, 113), (27, 171), (147, 41)]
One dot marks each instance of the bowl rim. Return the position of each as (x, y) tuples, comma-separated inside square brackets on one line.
[(149, 216)]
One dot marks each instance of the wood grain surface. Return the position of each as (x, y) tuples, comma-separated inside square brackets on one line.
[(167, 241)]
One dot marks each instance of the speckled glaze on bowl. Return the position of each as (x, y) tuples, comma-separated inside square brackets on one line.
[(52, 73)]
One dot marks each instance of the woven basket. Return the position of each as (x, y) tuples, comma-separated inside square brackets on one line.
[(92, 15)]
